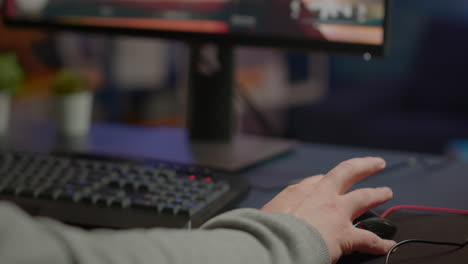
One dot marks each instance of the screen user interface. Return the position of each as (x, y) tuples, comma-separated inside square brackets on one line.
[(347, 21)]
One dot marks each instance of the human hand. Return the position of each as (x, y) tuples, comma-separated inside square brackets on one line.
[(323, 202)]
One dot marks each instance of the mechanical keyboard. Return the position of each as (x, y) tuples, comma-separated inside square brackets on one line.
[(95, 191)]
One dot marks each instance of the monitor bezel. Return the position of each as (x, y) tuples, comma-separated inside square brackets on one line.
[(233, 39)]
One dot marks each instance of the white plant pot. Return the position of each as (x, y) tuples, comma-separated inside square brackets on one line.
[(31, 7), (74, 113), (5, 105)]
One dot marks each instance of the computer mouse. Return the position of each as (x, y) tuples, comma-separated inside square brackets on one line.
[(382, 227)]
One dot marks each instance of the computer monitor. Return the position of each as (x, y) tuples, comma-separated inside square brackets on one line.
[(332, 25), (213, 28)]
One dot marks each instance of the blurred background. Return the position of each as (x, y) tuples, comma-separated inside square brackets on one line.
[(412, 100)]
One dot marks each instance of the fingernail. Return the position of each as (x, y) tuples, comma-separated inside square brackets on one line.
[(381, 161), (387, 190), (391, 244)]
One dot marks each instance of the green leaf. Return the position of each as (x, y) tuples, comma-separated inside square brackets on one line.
[(68, 82), (11, 72)]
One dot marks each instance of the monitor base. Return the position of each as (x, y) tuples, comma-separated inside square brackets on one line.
[(241, 153)]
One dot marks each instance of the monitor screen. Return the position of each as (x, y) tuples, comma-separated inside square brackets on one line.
[(270, 22)]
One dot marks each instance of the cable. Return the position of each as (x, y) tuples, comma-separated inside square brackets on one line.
[(424, 208), (396, 246)]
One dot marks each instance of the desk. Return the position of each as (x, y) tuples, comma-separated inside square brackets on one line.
[(418, 179), (423, 179)]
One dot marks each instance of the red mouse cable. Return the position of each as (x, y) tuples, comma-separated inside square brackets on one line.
[(424, 208)]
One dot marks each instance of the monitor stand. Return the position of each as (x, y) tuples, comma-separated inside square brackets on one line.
[(210, 117)]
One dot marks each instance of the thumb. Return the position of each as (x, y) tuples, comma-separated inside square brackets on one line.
[(369, 243)]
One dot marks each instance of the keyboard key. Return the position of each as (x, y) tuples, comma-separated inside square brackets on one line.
[(167, 174), (68, 194), (184, 211), (145, 187), (171, 209), (110, 192), (131, 185), (51, 192), (118, 182), (103, 201), (120, 169), (143, 202), (26, 190), (120, 203), (179, 201), (191, 208), (9, 189), (92, 198)]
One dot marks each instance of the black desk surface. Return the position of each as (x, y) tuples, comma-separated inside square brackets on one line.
[(416, 179)]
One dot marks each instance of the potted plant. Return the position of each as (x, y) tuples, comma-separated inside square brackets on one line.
[(11, 78), (29, 7), (74, 103)]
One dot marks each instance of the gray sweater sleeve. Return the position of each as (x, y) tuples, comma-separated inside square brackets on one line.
[(241, 236)]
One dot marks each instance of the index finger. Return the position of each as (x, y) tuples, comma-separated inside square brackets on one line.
[(349, 172)]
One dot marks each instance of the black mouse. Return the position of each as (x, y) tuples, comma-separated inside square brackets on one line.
[(382, 227)]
